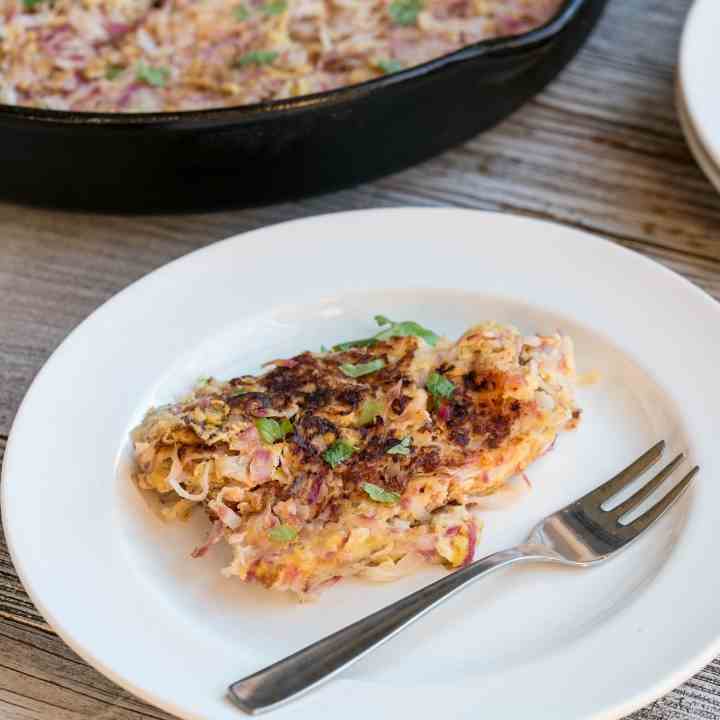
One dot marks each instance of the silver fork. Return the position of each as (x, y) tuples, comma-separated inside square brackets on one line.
[(581, 534)]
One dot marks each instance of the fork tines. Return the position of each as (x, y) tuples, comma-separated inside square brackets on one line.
[(612, 487)]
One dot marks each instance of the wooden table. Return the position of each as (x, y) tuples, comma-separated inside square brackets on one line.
[(601, 149)]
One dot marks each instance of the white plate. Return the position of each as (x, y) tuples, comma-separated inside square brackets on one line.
[(536, 642), (702, 157), (697, 72)]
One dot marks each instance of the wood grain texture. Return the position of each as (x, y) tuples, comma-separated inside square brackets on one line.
[(601, 149)]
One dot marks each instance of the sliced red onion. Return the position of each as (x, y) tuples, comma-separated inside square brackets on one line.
[(550, 447), (444, 412), (472, 542), (315, 489)]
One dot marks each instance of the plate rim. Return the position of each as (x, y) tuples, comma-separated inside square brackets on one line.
[(694, 142), (663, 685), (695, 21)]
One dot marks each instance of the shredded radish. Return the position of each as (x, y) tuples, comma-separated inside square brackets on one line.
[(507, 496), (550, 447), (176, 473), (472, 542), (426, 543), (227, 515), (246, 441), (388, 571), (261, 466), (214, 536)]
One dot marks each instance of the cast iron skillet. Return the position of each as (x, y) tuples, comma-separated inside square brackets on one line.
[(282, 149)]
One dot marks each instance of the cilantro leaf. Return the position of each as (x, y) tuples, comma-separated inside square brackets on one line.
[(240, 13), (271, 430), (112, 72), (439, 387), (283, 533), (257, 57), (356, 371), (405, 12), (390, 66), (377, 494), (338, 453), (155, 76), (31, 4), (276, 7), (402, 448), (370, 409)]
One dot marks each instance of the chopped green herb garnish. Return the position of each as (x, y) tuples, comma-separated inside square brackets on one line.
[(390, 66), (393, 329), (402, 448), (283, 533), (356, 371), (271, 430), (31, 4), (405, 12), (370, 409), (403, 329), (323, 349), (439, 387), (113, 71), (338, 453), (366, 342), (203, 381), (240, 12), (377, 494), (257, 57), (276, 7), (155, 76)]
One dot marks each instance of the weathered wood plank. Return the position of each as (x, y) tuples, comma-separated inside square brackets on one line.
[(601, 149)]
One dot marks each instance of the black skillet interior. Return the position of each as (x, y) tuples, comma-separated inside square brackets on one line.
[(274, 151)]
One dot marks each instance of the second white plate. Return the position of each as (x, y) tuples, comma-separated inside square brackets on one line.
[(118, 586)]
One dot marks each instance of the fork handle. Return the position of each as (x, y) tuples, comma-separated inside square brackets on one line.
[(313, 665)]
